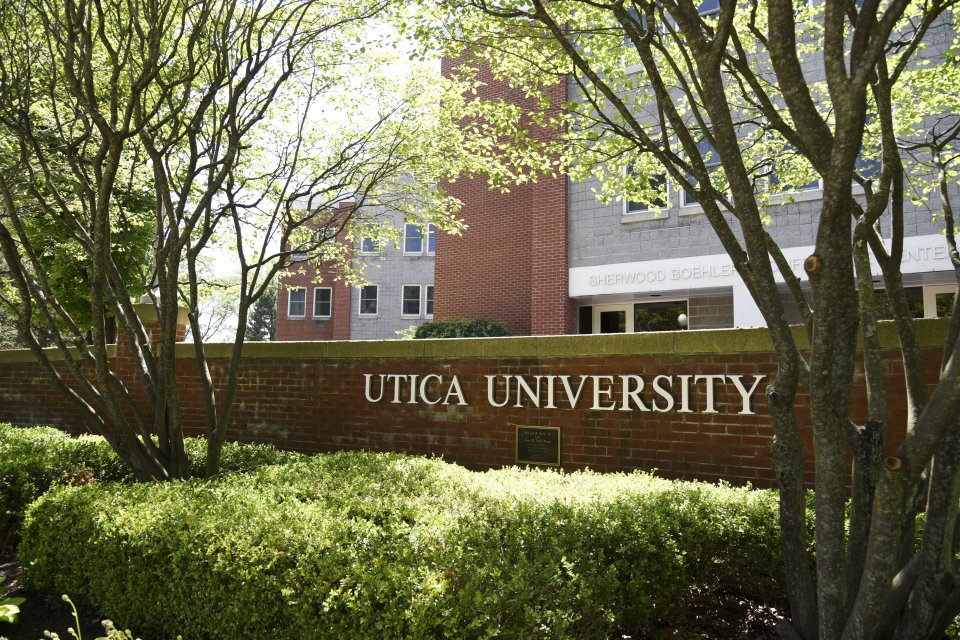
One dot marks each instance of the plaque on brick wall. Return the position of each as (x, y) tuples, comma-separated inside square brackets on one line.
[(538, 445)]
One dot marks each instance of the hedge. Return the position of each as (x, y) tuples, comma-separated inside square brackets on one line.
[(34, 459), (461, 329), (360, 545)]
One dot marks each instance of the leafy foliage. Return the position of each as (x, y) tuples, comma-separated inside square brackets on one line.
[(262, 323), (10, 608), (461, 329), (34, 460), (359, 545)]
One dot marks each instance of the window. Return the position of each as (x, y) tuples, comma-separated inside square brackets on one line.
[(659, 316), (631, 317), (326, 234), (613, 321), (297, 303), (369, 296), (585, 320), (914, 301), (298, 256), (712, 161), (431, 238), (322, 302), (776, 187), (789, 153), (369, 245), (709, 7), (943, 304), (429, 310), (411, 300), (658, 183), (412, 239), (868, 167), (938, 300)]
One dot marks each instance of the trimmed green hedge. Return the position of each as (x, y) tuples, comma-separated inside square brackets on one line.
[(359, 545), (461, 329), (34, 459)]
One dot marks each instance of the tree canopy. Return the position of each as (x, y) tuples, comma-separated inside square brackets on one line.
[(143, 136)]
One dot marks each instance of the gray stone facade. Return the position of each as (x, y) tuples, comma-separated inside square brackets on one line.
[(610, 246), (390, 269)]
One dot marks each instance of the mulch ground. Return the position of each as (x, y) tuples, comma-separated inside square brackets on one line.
[(42, 612), (738, 620)]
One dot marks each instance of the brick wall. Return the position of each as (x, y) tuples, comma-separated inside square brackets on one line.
[(312, 397), (510, 264), (308, 275)]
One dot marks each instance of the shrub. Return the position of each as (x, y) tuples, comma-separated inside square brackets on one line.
[(356, 545), (34, 459), (461, 329)]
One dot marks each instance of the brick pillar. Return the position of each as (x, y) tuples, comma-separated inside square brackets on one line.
[(510, 264), (342, 304), (148, 316), (552, 312)]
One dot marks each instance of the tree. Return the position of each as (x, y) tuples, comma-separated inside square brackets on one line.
[(242, 120), (262, 323), (721, 104)]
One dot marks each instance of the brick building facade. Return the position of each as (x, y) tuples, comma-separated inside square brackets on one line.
[(314, 303), (552, 257)]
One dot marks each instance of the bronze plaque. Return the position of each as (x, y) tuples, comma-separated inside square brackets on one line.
[(538, 445)]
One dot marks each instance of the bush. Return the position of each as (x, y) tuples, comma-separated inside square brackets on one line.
[(33, 460), (461, 329), (356, 545)]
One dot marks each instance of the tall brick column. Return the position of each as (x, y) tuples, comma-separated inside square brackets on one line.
[(510, 264)]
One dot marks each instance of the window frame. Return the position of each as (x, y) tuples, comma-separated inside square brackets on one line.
[(709, 13), (930, 293), (403, 301), (429, 300), (290, 292), (329, 303), (628, 309), (376, 300), (431, 238), (372, 252), (406, 228), (696, 207), (644, 215)]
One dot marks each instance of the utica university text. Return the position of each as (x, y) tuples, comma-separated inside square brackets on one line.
[(625, 392)]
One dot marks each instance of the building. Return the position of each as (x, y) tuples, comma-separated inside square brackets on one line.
[(398, 292), (552, 258)]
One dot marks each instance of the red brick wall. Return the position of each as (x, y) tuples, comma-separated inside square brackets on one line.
[(311, 397), (308, 276), (336, 327), (510, 264)]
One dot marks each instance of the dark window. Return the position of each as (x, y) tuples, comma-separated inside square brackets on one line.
[(429, 310), (659, 184), (945, 304), (775, 185), (322, 302), (712, 161), (586, 320), (914, 299), (658, 316), (369, 245), (368, 300), (613, 322), (411, 300), (431, 238)]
